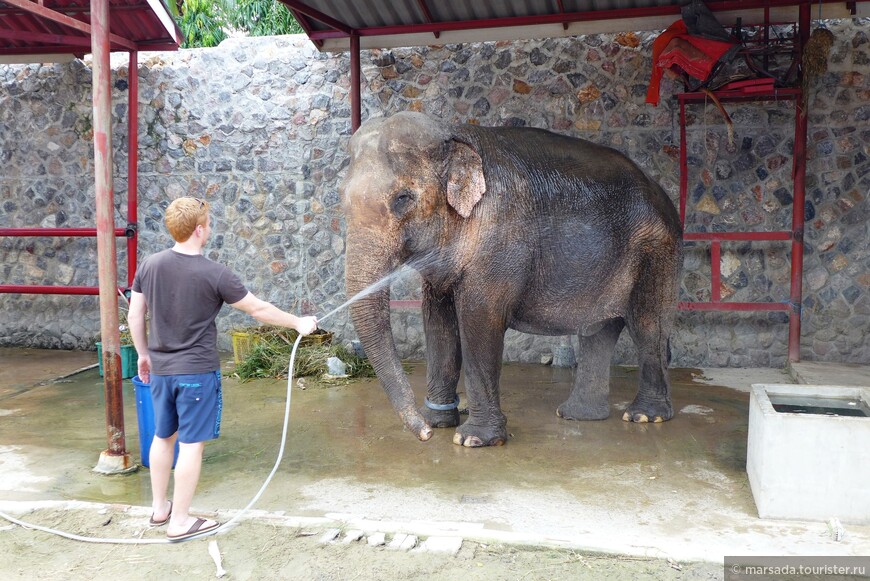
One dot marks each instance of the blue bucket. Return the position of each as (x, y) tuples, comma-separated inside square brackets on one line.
[(145, 413)]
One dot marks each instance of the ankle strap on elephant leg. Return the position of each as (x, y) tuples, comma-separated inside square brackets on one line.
[(442, 406)]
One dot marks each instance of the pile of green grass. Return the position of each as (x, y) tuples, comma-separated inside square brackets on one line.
[(270, 356)]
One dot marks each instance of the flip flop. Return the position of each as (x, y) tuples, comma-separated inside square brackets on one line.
[(158, 523), (194, 531)]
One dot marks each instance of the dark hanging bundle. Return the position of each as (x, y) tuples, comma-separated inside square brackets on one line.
[(815, 59)]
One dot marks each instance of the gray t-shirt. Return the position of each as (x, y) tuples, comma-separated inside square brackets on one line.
[(184, 294)]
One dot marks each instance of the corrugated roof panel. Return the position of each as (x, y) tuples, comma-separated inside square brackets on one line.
[(146, 24), (368, 14), (391, 23)]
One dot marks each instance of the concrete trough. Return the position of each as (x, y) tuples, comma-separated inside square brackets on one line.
[(807, 452)]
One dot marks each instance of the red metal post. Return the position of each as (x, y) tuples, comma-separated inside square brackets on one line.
[(355, 99), (799, 170), (715, 271), (115, 458), (132, 164), (684, 170)]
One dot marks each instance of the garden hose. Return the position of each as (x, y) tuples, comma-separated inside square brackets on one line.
[(223, 527)]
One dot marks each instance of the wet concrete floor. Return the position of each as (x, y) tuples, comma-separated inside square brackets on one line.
[(677, 489)]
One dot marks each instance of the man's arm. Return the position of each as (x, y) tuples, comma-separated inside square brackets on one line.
[(136, 320), (268, 313)]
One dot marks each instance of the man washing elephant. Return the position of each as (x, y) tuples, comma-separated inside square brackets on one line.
[(509, 228)]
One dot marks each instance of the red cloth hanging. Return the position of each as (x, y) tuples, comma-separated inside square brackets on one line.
[(677, 50)]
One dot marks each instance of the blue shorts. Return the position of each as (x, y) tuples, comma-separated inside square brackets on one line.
[(188, 404)]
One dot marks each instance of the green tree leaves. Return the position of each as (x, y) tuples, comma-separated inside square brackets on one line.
[(206, 23), (264, 18)]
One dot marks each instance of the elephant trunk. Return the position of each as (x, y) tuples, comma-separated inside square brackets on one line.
[(371, 319)]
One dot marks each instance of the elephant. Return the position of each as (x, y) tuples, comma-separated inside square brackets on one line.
[(508, 227)]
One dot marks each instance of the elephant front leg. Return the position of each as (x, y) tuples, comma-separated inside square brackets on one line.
[(482, 346), (589, 399), (443, 359)]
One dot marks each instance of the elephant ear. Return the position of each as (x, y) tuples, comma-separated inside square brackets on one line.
[(465, 182)]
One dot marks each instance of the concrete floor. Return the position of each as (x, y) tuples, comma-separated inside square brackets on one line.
[(675, 490)]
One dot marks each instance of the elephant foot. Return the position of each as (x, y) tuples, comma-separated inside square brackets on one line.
[(479, 436), (650, 412), (440, 418), (568, 411)]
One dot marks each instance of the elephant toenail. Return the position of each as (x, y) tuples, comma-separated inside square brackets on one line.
[(626, 417)]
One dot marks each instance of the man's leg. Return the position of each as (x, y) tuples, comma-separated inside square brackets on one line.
[(199, 403), (187, 470), (160, 457)]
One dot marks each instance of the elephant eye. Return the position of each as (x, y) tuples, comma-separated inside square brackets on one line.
[(403, 201)]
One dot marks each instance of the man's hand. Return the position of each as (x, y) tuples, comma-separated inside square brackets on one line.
[(306, 325), (144, 368)]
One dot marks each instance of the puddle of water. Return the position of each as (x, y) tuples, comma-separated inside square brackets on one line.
[(351, 432)]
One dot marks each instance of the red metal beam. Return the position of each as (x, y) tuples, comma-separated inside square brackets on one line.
[(55, 16), (728, 306), (41, 37), (775, 94), (427, 15), (72, 232), (683, 305), (561, 6), (78, 51), (306, 26), (732, 236), (317, 15), (48, 290)]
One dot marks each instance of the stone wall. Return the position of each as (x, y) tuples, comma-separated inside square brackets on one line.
[(259, 127)]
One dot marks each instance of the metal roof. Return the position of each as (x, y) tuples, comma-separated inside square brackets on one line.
[(390, 23), (62, 27)]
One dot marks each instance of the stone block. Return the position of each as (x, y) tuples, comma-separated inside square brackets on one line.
[(376, 539), (403, 542), (329, 536), (450, 545), (352, 536)]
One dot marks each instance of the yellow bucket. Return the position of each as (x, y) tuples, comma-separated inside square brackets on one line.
[(242, 345)]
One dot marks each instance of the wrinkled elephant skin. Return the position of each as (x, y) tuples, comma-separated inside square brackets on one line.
[(509, 228)]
